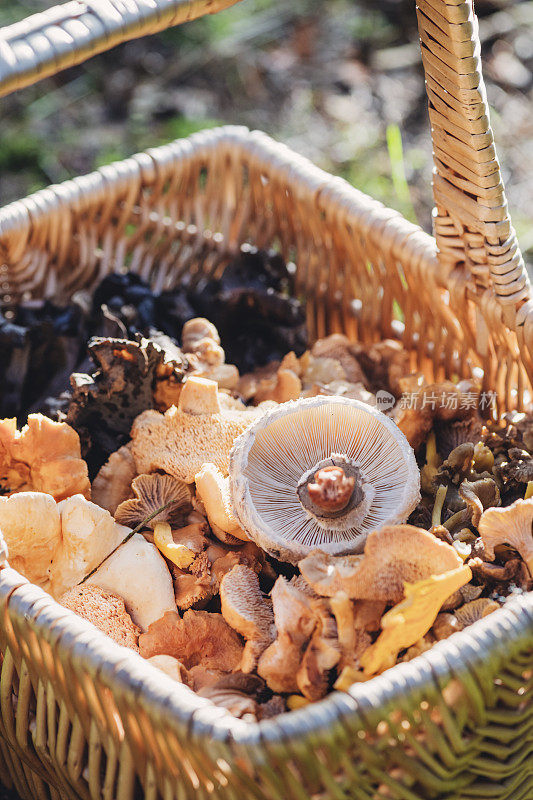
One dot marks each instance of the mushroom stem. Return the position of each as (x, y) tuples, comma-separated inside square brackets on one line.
[(332, 490), (461, 517), (437, 508), (135, 530), (179, 554), (529, 490)]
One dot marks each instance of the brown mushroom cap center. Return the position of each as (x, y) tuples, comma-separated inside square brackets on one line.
[(332, 489)]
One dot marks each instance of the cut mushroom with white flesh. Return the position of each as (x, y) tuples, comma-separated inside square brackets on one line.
[(321, 473)]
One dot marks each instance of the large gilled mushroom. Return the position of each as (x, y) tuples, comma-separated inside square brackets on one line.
[(393, 555), (153, 492), (201, 429), (321, 473), (511, 525)]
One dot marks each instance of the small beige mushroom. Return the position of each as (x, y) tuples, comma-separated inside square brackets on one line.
[(180, 443), (154, 492), (286, 386), (137, 573), (393, 555), (213, 490), (105, 610), (199, 396), (321, 654), (112, 485), (511, 525), (281, 455), (31, 526), (352, 638), (474, 610), (295, 622), (245, 609), (338, 347), (201, 342), (327, 575)]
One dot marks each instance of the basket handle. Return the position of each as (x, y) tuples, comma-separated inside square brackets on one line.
[(68, 34), (471, 219)]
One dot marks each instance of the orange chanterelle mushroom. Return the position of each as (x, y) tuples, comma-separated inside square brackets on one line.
[(321, 473)]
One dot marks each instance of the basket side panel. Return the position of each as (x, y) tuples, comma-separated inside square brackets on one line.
[(185, 208)]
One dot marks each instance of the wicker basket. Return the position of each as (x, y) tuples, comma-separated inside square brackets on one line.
[(82, 717)]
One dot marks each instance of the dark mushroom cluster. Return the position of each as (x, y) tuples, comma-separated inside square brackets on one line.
[(234, 506)]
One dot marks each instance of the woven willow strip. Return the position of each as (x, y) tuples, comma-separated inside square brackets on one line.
[(471, 221), (73, 32)]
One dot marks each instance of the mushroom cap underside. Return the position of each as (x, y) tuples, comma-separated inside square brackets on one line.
[(269, 458)]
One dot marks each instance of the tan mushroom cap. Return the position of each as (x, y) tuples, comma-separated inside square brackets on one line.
[(179, 443), (474, 610), (197, 638), (295, 622), (510, 525), (212, 488), (112, 484), (393, 554), (31, 526), (153, 492), (106, 611), (288, 444), (245, 609)]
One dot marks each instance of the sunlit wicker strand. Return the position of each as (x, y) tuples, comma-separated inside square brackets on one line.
[(64, 35), (469, 194)]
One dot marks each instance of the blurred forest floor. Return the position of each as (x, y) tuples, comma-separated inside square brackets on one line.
[(337, 80)]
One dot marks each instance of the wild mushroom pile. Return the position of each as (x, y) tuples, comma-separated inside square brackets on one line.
[(269, 536)]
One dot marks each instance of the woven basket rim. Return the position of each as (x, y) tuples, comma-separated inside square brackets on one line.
[(78, 193), (175, 702)]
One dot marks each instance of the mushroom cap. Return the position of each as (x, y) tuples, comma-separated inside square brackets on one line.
[(180, 444), (152, 492), (510, 525), (31, 527), (245, 609), (113, 482), (212, 488), (197, 638), (268, 460), (393, 554), (106, 611), (138, 574), (474, 610)]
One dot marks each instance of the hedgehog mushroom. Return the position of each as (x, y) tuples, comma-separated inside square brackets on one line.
[(394, 554), (201, 429), (511, 525), (106, 611), (322, 473), (245, 609), (152, 493)]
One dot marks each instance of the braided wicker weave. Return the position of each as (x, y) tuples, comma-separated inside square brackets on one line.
[(81, 717)]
